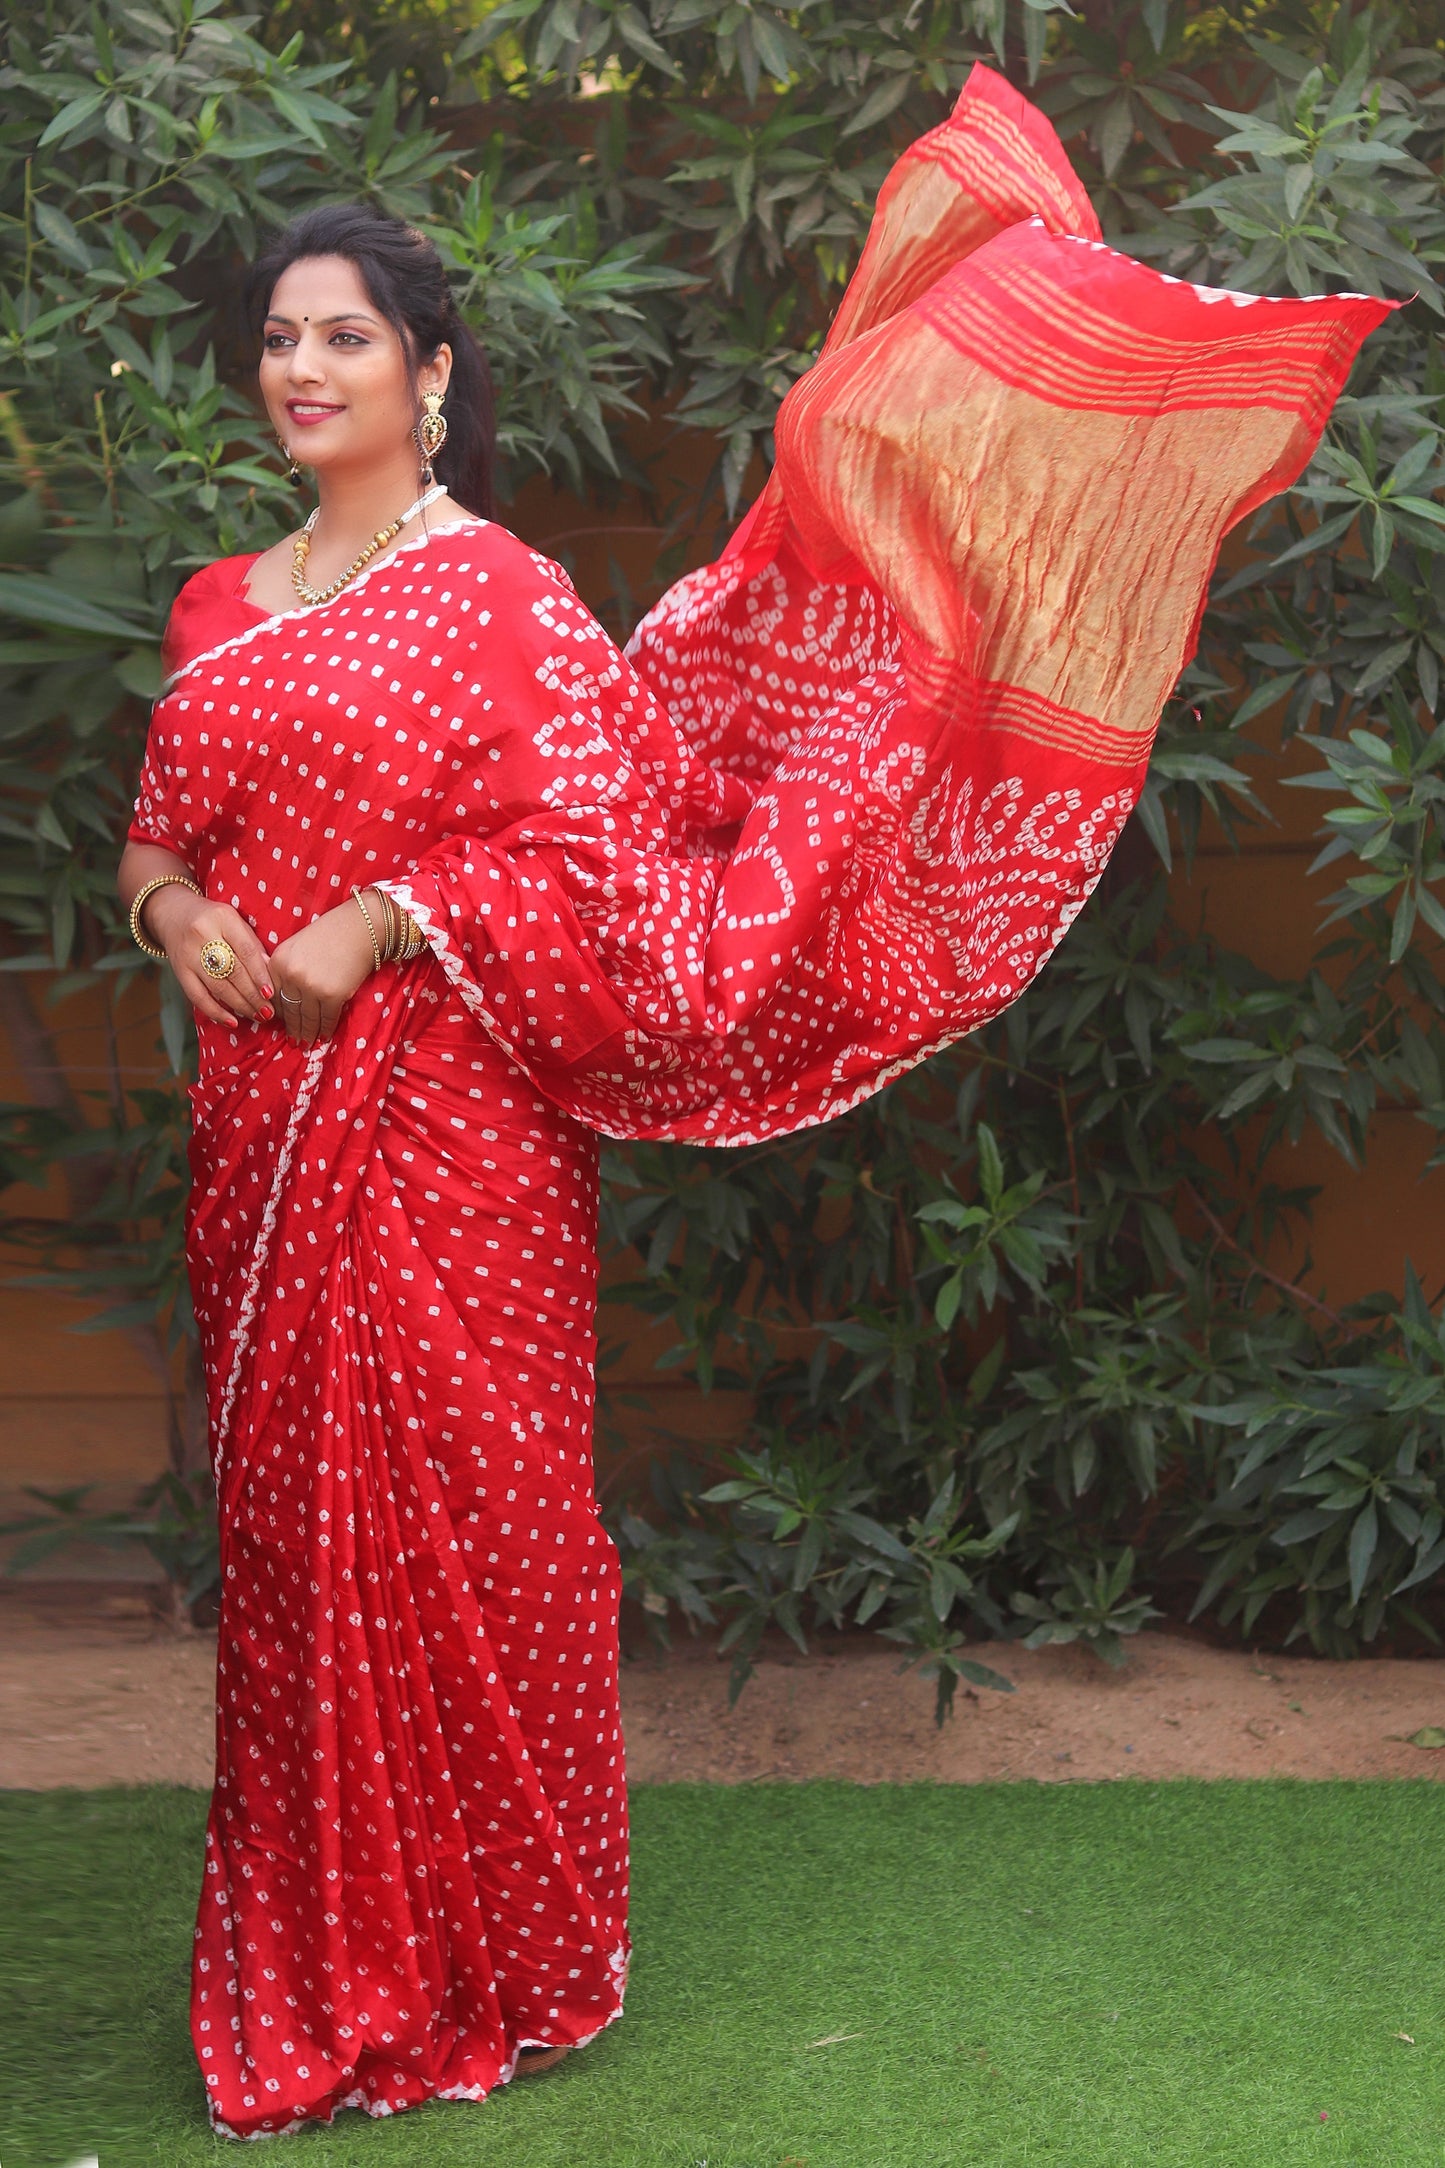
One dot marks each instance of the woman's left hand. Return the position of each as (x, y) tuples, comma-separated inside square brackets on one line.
[(316, 972)]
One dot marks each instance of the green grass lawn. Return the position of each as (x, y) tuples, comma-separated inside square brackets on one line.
[(1143, 1976)]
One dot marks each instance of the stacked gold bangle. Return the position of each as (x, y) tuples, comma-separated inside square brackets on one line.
[(400, 940), (164, 880), (401, 937)]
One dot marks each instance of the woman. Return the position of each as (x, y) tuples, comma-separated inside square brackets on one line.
[(453, 886)]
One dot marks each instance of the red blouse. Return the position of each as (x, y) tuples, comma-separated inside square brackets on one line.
[(212, 607)]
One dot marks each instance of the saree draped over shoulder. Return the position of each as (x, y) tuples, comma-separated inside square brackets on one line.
[(835, 807)]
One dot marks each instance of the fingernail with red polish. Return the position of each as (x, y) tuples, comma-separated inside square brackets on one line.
[(268, 991), (267, 1011)]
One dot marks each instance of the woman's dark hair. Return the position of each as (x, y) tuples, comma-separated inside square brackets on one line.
[(403, 276)]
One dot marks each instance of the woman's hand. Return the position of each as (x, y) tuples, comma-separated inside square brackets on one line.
[(183, 923), (317, 971)]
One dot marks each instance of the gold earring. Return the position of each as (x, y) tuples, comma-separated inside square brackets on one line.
[(431, 434), (293, 474)]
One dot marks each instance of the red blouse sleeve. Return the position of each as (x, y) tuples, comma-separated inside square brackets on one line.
[(209, 609)]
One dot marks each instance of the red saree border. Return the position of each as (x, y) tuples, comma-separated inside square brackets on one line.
[(1000, 148), (261, 1254), (1123, 338)]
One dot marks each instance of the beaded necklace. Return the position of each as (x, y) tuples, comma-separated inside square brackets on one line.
[(301, 550)]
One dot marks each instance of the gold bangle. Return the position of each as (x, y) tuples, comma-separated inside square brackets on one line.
[(410, 938), (162, 880), (375, 944), (403, 938)]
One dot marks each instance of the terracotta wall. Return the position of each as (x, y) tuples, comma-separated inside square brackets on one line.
[(1262, 900), (79, 1409), (76, 1407)]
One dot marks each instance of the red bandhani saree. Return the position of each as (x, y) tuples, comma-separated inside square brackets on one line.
[(836, 807)]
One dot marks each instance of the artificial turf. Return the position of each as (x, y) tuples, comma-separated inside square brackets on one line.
[(1096, 1976)]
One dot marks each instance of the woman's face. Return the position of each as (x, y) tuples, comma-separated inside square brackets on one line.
[(334, 373)]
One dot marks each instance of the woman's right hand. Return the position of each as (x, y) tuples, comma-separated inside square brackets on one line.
[(183, 923)]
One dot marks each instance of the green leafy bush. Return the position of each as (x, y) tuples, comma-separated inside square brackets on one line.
[(1015, 1359)]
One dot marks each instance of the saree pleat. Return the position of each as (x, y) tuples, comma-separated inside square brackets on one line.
[(834, 808), (416, 1859)]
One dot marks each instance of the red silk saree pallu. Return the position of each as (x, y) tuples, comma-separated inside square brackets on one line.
[(836, 806)]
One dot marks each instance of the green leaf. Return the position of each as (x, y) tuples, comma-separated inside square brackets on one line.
[(48, 602), (140, 672), (1402, 925), (977, 1674), (1363, 1537), (990, 1165), (1115, 132), (884, 99), (1299, 1527), (295, 110), (72, 116), (61, 235), (1223, 1050), (1422, 508), (948, 1301), (635, 33)]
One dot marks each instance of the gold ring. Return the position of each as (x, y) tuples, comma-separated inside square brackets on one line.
[(218, 958)]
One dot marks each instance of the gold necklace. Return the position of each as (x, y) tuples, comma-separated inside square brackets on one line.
[(301, 550)]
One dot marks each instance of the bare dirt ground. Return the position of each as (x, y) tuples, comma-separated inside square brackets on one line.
[(93, 1690)]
